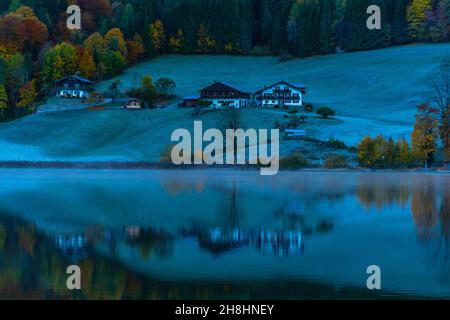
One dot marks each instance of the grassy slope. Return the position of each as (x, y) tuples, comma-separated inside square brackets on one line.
[(382, 84), (374, 92)]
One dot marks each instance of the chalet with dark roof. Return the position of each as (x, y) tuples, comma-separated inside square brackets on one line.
[(281, 94), (73, 86), (224, 95)]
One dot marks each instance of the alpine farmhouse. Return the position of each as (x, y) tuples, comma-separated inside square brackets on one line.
[(281, 94), (73, 86), (223, 95)]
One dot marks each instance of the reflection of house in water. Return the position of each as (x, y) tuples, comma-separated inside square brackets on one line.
[(295, 209), (280, 243), (275, 242), (218, 240), (73, 245)]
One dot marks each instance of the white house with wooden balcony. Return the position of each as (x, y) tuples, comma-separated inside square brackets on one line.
[(281, 94)]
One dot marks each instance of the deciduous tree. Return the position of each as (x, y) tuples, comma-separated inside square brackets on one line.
[(158, 36), (425, 134), (416, 16)]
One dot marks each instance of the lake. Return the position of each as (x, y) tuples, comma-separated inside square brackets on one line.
[(223, 234)]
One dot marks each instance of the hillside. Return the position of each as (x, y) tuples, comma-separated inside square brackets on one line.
[(374, 92)]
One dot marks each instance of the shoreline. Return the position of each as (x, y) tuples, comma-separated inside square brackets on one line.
[(118, 165)]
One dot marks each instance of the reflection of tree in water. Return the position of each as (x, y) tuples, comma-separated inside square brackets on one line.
[(34, 267), (382, 195), (42, 275), (175, 186), (2, 235), (232, 218), (151, 241), (431, 214), (445, 214), (294, 217), (444, 222), (424, 209), (229, 209)]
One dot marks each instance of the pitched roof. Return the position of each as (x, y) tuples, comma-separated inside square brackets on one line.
[(297, 86), (84, 80), (191, 98), (231, 86)]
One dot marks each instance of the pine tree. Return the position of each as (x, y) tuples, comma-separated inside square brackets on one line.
[(327, 24), (279, 35), (3, 100), (15, 4), (306, 14), (359, 38), (127, 22), (145, 13), (398, 22)]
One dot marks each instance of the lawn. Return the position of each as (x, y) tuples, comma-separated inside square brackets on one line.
[(373, 92)]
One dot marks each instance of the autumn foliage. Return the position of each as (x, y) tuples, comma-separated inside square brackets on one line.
[(425, 134), (21, 28)]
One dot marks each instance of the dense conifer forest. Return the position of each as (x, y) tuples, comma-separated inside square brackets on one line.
[(37, 48)]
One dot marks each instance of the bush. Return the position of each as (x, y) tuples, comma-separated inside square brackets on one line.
[(325, 112), (336, 162), (285, 57), (309, 107), (353, 149), (293, 111), (166, 154), (261, 51), (94, 97), (278, 124), (294, 161), (165, 87), (336, 144)]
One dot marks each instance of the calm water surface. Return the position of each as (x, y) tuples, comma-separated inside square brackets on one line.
[(223, 234)]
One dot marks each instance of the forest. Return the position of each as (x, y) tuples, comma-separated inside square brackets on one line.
[(37, 48)]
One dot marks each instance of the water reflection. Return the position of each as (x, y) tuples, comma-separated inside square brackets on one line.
[(149, 241), (234, 236), (272, 242), (429, 202)]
